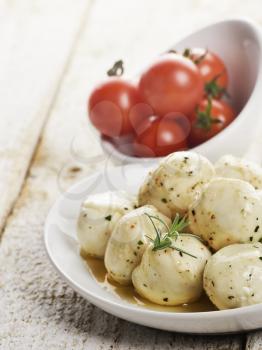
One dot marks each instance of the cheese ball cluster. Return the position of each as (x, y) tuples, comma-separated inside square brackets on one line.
[(186, 210), (229, 211), (169, 277), (233, 276), (129, 241), (98, 216), (176, 183), (237, 168)]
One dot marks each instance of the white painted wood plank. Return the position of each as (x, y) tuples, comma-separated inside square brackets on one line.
[(36, 40), (40, 310), (254, 341)]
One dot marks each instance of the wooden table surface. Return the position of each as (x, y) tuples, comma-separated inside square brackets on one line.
[(52, 54)]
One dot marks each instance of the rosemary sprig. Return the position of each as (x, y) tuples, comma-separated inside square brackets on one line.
[(157, 218), (168, 239), (178, 226)]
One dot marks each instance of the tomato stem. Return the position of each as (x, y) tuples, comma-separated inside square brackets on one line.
[(201, 57), (204, 118), (188, 54), (172, 51), (213, 89), (117, 69)]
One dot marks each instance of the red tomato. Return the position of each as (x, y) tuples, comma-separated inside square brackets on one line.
[(138, 114), (210, 118), (172, 84), (212, 69), (109, 106), (161, 136)]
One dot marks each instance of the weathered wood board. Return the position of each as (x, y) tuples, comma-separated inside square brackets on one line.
[(39, 310), (37, 38)]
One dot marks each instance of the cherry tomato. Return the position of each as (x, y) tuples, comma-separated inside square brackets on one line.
[(109, 106), (161, 136), (209, 119), (212, 70), (172, 84), (138, 114)]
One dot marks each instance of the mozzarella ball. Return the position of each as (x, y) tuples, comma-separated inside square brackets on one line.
[(167, 277), (237, 168), (128, 242), (233, 276), (98, 216), (176, 183), (229, 211)]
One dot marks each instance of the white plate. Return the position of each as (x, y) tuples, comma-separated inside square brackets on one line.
[(63, 251)]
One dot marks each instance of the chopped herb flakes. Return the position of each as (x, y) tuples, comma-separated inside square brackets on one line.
[(108, 217)]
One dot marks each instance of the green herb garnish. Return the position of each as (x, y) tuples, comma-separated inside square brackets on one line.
[(168, 239)]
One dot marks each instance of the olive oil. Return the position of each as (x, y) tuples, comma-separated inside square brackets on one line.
[(127, 293)]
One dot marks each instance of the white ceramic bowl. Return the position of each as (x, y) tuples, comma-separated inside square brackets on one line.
[(63, 251), (239, 43)]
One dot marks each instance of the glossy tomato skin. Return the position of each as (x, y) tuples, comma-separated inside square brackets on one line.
[(220, 111), (210, 66), (109, 106), (172, 84), (138, 114), (162, 136)]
